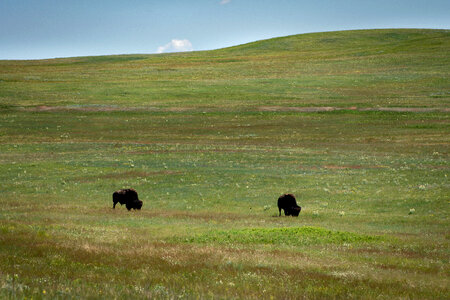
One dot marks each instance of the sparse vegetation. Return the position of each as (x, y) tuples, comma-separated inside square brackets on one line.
[(206, 140)]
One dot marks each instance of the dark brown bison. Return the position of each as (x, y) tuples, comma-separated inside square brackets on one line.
[(129, 197), (288, 203)]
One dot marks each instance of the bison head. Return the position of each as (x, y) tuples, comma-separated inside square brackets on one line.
[(295, 210), (138, 204)]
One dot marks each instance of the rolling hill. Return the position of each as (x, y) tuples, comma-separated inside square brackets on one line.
[(365, 68)]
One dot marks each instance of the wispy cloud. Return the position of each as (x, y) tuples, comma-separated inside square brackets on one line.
[(223, 2), (176, 46)]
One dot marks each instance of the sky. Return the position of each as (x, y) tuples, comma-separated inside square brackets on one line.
[(35, 29)]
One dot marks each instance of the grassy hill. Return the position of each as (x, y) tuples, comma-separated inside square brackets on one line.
[(365, 68), (210, 140)]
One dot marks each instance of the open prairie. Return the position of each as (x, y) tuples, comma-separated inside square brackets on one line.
[(355, 124)]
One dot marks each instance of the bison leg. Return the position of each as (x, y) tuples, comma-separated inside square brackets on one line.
[(115, 199), (279, 209)]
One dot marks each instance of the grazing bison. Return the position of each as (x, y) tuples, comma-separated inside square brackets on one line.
[(289, 205), (129, 197)]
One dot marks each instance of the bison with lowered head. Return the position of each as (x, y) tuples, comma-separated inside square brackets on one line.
[(129, 197), (288, 203)]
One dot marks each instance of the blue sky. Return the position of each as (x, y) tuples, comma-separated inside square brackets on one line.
[(31, 29)]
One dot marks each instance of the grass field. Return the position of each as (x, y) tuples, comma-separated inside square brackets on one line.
[(210, 140)]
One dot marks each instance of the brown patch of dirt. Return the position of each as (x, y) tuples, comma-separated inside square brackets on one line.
[(352, 108), (398, 253), (339, 167), (193, 151), (406, 109), (44, 108), (177, 109), (297, 109), (366, 251), (106, 108), (80, 108), (99, 108), (336, 167)]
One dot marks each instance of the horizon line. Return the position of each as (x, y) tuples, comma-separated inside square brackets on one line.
[(202, 50)]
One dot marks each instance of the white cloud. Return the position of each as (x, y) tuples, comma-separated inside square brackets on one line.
[(176, 46), (223, 2)]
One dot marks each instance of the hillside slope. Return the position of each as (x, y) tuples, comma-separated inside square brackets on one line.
[(364, 68)]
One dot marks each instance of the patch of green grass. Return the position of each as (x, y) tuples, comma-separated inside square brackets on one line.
[(292, 236)]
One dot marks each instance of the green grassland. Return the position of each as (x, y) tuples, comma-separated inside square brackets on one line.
[(210, 140)]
